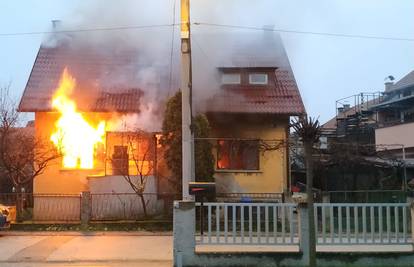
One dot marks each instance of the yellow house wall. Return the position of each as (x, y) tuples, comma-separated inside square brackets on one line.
[(273, 172), (56, 180)]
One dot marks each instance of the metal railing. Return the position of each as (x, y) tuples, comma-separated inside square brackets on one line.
[(56, 207), (247, 224), (130, 206), (357, 223), (43, 207), (103, 207), (249, 197)]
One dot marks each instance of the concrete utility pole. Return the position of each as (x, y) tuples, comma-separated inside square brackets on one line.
[(186, 88)]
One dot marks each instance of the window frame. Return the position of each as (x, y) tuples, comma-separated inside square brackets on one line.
[(231, 160), (259, 83), (231, 74)]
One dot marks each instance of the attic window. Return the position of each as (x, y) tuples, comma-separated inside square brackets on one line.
[(258, 78), (230, 78)]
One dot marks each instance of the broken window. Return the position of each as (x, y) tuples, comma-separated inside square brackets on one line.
[(238, 155)]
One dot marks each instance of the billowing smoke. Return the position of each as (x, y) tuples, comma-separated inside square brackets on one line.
[(140, 53), (216, 45), (146, 120), (144, 52)]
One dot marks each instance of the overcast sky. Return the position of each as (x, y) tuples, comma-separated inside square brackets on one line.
[(326, 68)]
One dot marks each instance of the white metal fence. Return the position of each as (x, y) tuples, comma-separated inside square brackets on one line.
[(353, 223), (56, 207), (127, 206), (247, 223)]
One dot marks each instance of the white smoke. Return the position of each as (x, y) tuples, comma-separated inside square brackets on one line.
[(146, 120), (140, 30), (146, 31)]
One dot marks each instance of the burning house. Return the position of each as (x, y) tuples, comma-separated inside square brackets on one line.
[(84, 98), (93, 120)]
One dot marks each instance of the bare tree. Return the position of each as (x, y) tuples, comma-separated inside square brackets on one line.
[(138, 150), (23, 157), (308, 130)]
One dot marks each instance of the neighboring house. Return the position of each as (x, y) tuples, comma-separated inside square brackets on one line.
[(385, 119), (396, 116), (250, 121), (381, 126)]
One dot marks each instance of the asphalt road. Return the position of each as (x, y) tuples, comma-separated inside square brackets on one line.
[(98, 250)]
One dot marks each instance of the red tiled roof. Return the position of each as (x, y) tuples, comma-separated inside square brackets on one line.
[(127, 101), (280, 97), (91, 71)]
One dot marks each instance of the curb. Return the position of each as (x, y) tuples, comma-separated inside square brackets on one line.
[(80, 233)]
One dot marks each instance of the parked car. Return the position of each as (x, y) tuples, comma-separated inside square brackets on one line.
[(5, 217)]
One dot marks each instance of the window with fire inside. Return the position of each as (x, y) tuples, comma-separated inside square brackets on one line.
[(238, 155)]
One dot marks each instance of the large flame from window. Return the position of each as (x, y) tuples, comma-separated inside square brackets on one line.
[(74, 136)]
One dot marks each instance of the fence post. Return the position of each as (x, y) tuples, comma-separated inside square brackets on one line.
[(184, 231), (304, 234), (85, 205), (412, 220), (304, 244), (326, 198)]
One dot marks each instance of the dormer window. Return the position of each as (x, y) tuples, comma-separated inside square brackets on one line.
[(230, 78), (258, 78)]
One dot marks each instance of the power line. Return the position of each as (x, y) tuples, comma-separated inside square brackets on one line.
[(89, 30), (201, 49), (213, 25), (172, 49), (360, 36), (230, 26)]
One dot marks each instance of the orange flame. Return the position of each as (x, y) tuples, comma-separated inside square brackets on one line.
[(74, 136)]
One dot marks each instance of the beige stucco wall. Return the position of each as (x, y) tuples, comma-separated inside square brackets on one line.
[(272, 176), (402, 134)]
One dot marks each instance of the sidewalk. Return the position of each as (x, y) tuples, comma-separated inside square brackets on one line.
[(99, 248), (86, 233)]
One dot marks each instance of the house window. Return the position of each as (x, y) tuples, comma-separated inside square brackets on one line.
[(258, 78), (230, 78), (120, 160), (238, 155)]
